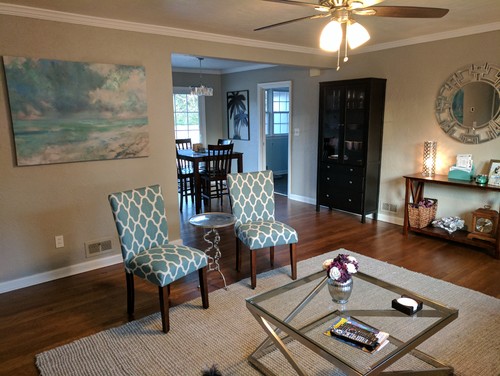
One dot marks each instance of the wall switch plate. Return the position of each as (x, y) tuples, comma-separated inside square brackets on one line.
[(59, 241)]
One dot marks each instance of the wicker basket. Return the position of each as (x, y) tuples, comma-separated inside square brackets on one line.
[(421, 217)]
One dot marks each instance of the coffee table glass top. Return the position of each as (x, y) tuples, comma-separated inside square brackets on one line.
[(303, 310)]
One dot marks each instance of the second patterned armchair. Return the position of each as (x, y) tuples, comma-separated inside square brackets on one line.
[(252, 203)]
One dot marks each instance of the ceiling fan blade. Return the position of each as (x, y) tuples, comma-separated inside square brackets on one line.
[(407, 12), (292, 2), (294, 20)]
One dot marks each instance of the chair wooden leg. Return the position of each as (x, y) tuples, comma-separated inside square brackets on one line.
[(164, 307), (238, 255), (271, 256), (253, 267), (293, 260), (181, 184), (202, 273), (130, 294), (191, 189)]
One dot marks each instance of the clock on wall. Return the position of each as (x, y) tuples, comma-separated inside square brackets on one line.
[(468, 104), (484, 224)]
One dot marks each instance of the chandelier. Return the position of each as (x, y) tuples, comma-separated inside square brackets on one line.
[(202, 90), (342, 27)]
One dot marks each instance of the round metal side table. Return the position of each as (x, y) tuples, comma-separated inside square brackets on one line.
[(210, 222)]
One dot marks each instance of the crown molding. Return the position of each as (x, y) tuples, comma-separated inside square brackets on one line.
[(78, 19), (433, 37)]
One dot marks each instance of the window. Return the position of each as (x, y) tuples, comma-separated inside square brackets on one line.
[(189, 115), (277, 104)]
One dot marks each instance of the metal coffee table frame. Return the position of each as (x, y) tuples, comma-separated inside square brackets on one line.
[(273, 326)]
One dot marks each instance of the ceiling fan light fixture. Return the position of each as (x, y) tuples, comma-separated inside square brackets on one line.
[(356, 34), (356, 4), (331, 36), (321, 8)]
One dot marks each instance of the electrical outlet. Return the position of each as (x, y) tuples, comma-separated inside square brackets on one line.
[(59, 241)]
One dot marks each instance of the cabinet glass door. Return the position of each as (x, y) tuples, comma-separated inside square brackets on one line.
[(354, 132), (333, 124)]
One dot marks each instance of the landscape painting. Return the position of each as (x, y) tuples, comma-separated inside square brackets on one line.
[(74, 111)]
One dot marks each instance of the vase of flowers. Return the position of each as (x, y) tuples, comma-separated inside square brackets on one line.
[(339, 271)]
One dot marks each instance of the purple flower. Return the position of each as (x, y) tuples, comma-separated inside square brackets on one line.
[(341, 267)]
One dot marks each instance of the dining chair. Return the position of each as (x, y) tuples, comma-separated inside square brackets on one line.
[(185, 173), (224, 141), (213, 179), (143, 232), (183, 143), (252, 203)]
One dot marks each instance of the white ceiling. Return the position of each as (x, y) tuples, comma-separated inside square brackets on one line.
[(235, 21)]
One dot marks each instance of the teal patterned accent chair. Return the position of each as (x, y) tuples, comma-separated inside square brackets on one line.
[(142, 228), (252, 203)]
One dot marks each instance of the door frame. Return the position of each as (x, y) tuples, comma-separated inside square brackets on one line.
[(262, 113)]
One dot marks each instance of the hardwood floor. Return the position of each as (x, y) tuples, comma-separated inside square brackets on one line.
[(48, 315)]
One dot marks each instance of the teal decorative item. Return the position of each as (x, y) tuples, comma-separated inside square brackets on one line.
[(142, 228), (482, 179), (252, 203)]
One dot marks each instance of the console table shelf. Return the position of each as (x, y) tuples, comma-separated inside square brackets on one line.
[(415, 190)]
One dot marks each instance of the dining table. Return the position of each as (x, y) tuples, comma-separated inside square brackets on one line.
[(198, 157)]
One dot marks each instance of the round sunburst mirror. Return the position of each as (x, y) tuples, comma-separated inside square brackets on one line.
[(468, 104)]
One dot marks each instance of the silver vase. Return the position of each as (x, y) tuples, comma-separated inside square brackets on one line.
[(340, 291)]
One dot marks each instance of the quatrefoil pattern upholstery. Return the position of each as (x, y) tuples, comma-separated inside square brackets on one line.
[(252, 202), (142, 228)]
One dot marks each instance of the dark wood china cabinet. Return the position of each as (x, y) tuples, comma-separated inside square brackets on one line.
[(351, 117)]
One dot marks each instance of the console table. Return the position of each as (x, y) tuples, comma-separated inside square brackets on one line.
[(415, 187)]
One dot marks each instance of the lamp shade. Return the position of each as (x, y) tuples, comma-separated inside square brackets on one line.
[(356, 34), (429, 160), (331, 37)]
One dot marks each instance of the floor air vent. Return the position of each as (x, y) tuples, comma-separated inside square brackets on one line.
[(98, 247)]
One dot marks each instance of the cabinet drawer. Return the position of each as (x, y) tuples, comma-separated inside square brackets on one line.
[(341, 170), (348, 201), (331, 179), (329, 182)]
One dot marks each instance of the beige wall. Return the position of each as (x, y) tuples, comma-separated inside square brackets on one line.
[(40, 202)]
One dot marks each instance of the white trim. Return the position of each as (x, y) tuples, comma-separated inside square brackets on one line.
[(380, 217), (66, 271), (261, 111), (52, 15), (201, 111), (79, 19)]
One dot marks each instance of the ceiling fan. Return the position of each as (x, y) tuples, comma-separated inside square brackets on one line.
[(340, 13)]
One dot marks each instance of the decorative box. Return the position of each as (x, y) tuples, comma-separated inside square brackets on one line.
[(408, 309)]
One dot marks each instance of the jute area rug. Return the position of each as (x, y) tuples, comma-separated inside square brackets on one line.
[(227, 333)]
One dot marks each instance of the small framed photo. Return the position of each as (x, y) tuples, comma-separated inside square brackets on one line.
[(494, 175)]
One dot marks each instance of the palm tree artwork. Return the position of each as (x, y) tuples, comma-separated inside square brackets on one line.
[(237, 114)]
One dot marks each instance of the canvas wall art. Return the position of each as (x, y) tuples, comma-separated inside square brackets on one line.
[(238, 123), (74, 111)]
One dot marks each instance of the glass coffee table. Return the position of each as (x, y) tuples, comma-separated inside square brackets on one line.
[(210, 222), (296, 316)]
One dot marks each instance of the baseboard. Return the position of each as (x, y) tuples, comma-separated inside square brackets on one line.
[(307, 200), (380, 216), (67, 271)]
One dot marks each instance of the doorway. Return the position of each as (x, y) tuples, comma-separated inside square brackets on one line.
[(275, 119)]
